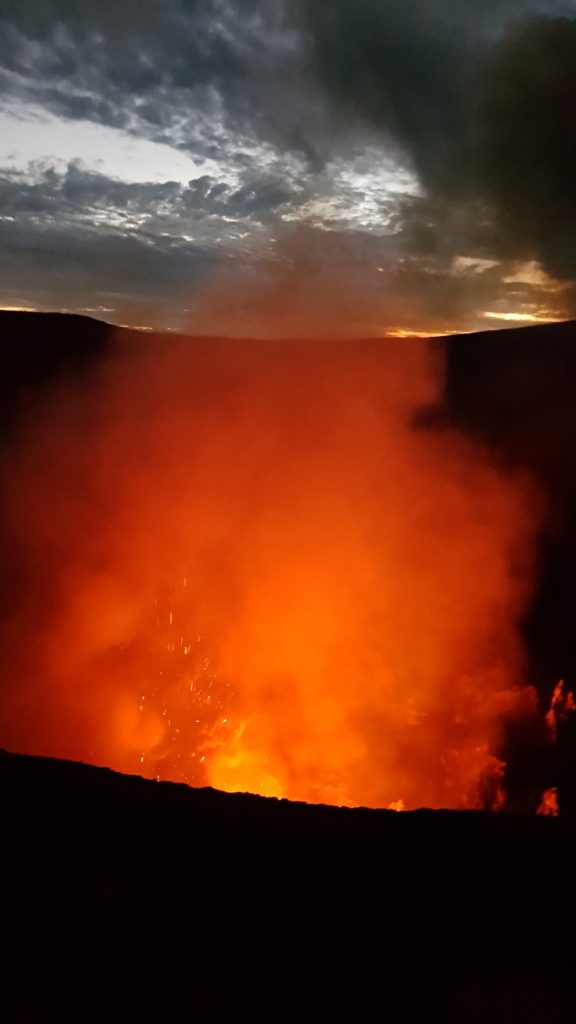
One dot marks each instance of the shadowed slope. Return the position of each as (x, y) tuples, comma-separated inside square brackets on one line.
[(125, 899)]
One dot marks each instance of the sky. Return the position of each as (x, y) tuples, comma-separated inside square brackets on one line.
[(290, 167)]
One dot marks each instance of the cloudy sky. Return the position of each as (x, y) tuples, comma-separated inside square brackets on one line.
[(349, 167)]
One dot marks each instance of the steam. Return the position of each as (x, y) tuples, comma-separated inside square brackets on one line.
[(251, 565)]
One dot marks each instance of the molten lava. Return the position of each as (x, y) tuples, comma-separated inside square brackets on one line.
[(549, 807), (562, 706), (255, 566)]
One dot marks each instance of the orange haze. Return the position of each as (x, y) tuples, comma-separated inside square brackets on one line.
[(241, 564)]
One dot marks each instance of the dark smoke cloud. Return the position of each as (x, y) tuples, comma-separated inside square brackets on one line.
[(482, 95), (528, 136)]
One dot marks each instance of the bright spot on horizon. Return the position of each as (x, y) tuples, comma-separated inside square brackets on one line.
[(524, 318), (402, 332)]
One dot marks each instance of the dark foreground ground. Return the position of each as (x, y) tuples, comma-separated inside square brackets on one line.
[(129, 900)]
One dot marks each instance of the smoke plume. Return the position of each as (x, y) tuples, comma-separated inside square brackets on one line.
[(254, 565)]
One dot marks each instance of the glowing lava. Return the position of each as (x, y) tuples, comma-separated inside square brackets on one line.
[(562, 706), (250, 565), (549, 807)]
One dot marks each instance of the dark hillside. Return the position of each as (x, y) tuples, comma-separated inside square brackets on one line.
[(129, 900)]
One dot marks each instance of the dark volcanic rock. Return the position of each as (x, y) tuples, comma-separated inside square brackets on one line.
[(37, 347), (129, 900), (515, 389)]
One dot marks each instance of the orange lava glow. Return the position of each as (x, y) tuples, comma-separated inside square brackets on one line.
[(549, 807), (248, 565), (562, 706)]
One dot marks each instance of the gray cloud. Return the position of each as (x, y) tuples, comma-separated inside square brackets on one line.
[(203, 207), (74, 237), (80, 240), (172, 71), (476, 96)]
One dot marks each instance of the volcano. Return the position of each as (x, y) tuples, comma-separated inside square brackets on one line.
[(126, 897), (333, 572)]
